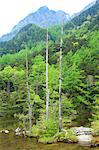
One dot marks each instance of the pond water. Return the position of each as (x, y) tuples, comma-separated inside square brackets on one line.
[(11, 142)]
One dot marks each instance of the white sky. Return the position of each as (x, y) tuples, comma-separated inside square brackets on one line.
[(12, 11)]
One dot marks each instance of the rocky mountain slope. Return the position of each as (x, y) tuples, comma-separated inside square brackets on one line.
[(43, 17)]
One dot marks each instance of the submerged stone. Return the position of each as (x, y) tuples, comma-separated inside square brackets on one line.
[(4, 131)]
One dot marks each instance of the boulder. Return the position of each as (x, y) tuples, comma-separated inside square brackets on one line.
[(4, 131), (18, 133), (82, 131), (85, 139), (17, 130), (84, 135)]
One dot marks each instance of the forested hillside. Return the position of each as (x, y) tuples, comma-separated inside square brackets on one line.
[(80, 74), (88, 14), (29, 35)]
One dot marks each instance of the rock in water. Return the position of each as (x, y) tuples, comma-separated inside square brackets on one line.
[(85, 139), (18, 133), (17, 130), (84, 135), (4, 131)]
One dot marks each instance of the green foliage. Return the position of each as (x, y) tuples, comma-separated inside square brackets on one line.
[(95, 127), (80, 105), (51, 128), (72, 77), (71, 136), (93, 11), (28, 35), (35, 131), (66, 136)]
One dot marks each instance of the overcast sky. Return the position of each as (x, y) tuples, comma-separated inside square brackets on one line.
[(12, 11)]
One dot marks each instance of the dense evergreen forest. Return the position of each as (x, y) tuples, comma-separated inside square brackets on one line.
[(23, 77)]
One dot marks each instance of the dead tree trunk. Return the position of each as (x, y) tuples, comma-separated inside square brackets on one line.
[(37, 88), (8, 87), (24, 122), (60, 82), (47, 90), (29, 101)]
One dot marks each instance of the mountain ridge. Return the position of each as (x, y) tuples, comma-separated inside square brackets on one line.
[(45, 12), (31, 33), (91, 12), (84, 9), (43, 17)]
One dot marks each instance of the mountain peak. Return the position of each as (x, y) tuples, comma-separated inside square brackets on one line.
[(43, 9), (43, 17)]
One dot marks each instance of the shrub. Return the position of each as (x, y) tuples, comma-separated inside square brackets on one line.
[(95, 127)]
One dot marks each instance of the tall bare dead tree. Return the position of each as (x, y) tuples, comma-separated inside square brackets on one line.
[(60, 81), (29, 101), (47, 89)]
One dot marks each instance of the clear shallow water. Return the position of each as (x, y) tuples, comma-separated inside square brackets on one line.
[(11, 142)]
